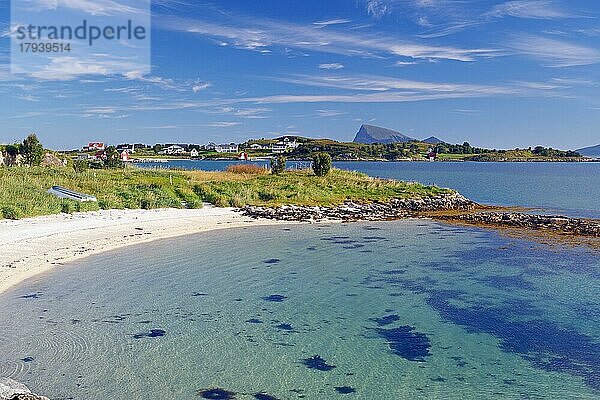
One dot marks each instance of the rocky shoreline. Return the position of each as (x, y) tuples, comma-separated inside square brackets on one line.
[(554, 223), (353, 211), (13, 390), (451, 208)]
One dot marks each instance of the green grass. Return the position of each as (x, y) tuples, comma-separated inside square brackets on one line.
[(23, 190)]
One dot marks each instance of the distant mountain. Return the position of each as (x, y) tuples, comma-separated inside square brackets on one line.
[(369, 134), (432, 140), (592, 151)]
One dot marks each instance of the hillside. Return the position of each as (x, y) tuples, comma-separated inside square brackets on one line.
[(432, 140), (592, 151), (370, 134)]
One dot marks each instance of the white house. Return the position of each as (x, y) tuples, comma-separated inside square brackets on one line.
[(279, 148), (173, 149), (227, 148), (194, 153)]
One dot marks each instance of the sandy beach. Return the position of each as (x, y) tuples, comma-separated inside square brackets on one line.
[(32, 246)]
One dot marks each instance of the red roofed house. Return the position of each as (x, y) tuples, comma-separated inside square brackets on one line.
[(99, 146)]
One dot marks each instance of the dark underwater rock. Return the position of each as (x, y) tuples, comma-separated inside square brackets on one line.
[(216, 394), (318, 363), (277, 298), (404, 342), (152, 334), (345, 389)]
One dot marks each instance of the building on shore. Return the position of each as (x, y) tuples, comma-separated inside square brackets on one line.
[(227, 148), (94, 146)]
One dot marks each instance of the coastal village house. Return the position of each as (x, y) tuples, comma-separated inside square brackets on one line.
[(194, 153), (94, 146), (287, 143), (173, 149), (227, 148), (130, 148)]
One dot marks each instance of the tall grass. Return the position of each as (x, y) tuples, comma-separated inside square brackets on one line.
[(23, 191)]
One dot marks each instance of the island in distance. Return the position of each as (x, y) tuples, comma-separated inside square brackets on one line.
[(592, 151), (371, 134)]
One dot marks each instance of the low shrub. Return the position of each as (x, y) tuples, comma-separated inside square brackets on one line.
[(10, 212), (251, 169), (321, 164), (278, 165), (67, 207)]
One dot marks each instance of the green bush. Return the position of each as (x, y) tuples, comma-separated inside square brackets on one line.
[(10, 212), (278, 165), (321, 164), (80, 165), (67, 207)]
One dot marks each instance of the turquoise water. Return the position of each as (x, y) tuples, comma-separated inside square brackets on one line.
[(394, 310), (566, 188)]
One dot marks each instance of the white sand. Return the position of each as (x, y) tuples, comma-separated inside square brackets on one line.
[(35, 245)]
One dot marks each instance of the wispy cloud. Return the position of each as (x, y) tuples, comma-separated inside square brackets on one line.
[(222, 124), (199, 86), (372, 83), (331, 66), (93, 7), (260, 35), (339, 21), (536, 9), (553, 52), (330, 113)]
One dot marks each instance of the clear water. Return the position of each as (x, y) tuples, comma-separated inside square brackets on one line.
[(400, 310), (566, 188)]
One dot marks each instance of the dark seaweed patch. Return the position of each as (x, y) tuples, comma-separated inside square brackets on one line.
[(197, 294), (254, 321), (152, 334), (318, 363), (216, 394), (31, 296), (277, 298), (285, 327), (272, 261), (404, 342), (264, 396), (345, 389), (27, 359), (388, 319)]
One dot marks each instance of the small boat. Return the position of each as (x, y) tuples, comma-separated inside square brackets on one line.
[(64, 193)]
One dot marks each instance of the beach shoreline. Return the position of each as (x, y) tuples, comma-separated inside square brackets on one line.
[(33, 246)]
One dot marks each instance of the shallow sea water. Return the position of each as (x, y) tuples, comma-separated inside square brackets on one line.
[(392, 310)]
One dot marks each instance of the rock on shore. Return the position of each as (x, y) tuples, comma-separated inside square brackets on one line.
[(13, 390), (573, 226), (460, 209), (353, 211)]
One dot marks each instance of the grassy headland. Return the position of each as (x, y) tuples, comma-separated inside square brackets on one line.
[(23, 190)]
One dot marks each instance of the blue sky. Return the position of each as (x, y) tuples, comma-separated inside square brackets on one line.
[(500, 74)]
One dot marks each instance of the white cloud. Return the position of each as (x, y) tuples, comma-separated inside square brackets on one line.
[(378, 8), (198, 86), (339, 21), (330, 113), (536, 9), (258, 35), (331, 66), (94, 7), (373, 83), (222, 124), (555, 53)]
